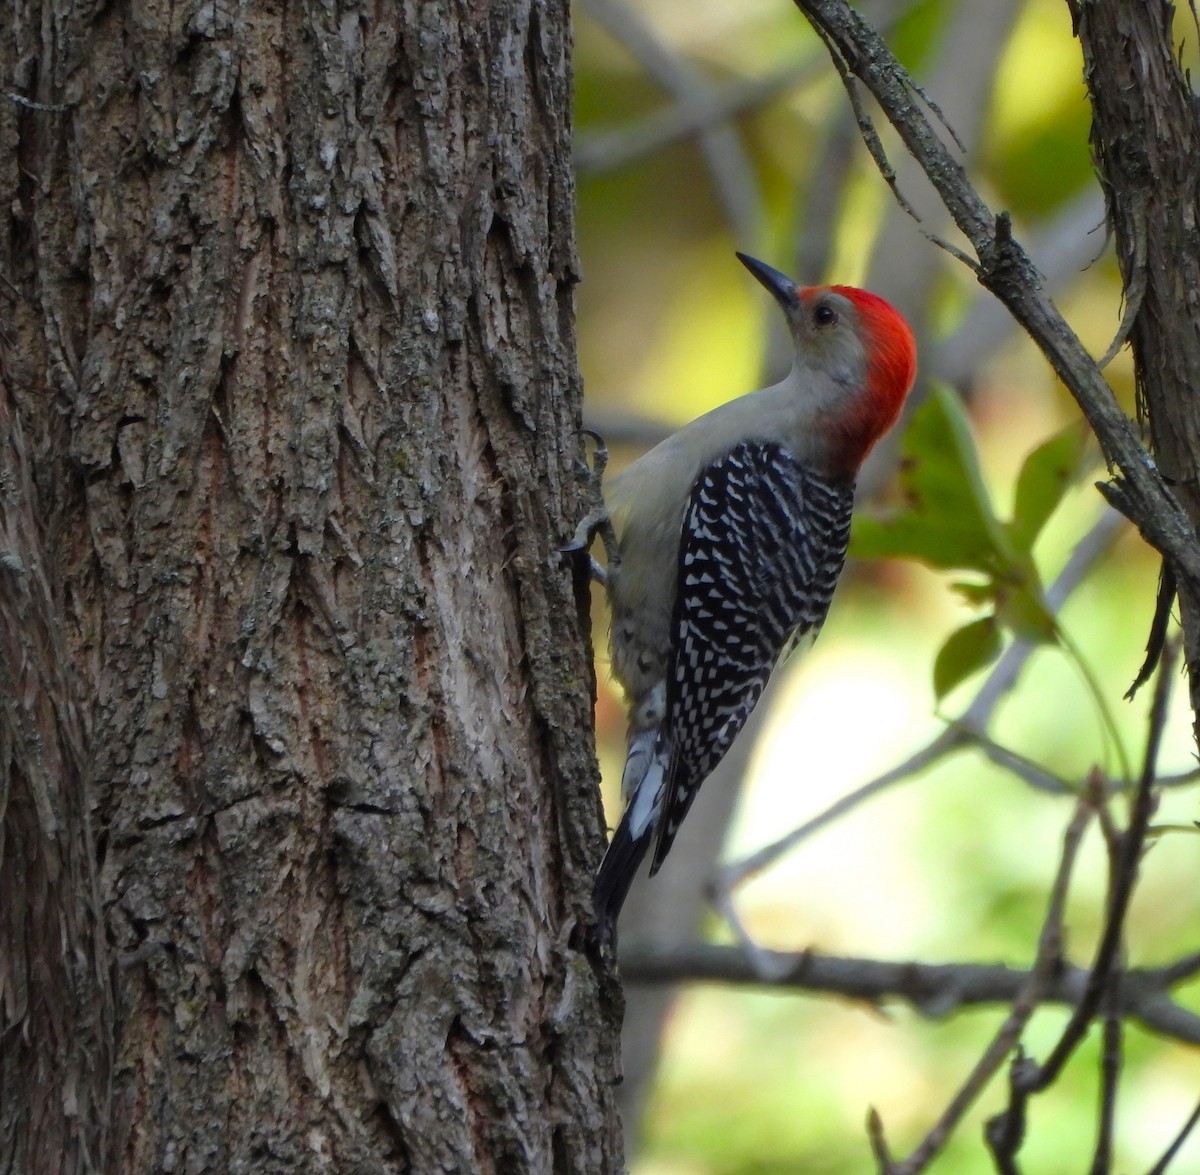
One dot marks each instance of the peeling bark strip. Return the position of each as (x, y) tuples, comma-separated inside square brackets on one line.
[(1146, 141), (288, 382)]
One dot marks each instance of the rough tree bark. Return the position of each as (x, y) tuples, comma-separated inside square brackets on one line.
[(1146, 141), (297, 799)]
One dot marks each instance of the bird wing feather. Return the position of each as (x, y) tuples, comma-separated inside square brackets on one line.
[(761, 548)]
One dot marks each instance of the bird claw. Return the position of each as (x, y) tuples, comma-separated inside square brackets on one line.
[(595, 521), (592, 474), (585, 532)]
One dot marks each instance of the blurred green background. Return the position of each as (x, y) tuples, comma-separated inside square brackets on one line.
[(705, 127)]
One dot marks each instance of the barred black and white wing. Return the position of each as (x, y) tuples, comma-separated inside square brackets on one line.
[(762, 546)]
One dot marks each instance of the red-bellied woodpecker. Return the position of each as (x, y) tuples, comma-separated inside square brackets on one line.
[(731, 536)]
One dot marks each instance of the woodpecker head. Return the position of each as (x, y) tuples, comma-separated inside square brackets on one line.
[(854, 339)]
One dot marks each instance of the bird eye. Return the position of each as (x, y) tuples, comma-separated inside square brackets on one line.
[(825, 316)]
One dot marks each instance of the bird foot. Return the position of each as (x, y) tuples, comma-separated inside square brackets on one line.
[(596, 521)]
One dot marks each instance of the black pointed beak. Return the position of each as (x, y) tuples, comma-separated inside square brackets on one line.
[(782, 288)]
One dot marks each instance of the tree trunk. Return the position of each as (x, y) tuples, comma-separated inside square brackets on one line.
[(288, 391), (1146, 141)]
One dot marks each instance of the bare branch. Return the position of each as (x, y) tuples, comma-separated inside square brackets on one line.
[(1124, 878), (1049, 956), (1110, 1073), (932, 989), (1005, 1131), (1182, 969), (1176, 1146), (1005, 269), (973, 720), (719, 140), (602, 151), (866, 128), (1062, 247), (1036, 776), (879, 1146)]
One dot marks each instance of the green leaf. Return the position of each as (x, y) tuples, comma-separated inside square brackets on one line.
[(1021, 607), (965, 651), (950, 521), (977, 594), (1046, 475)]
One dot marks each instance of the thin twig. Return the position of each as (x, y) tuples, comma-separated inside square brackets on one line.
[(1182, 779), (975, 718), (1124, 878), (1176, 1146), (1163, 599), (1181, 969), (1102, 790), (601, 151), (719, 140), (879, 1146), (866, 127), (1110, 1074), (874, 145), (1035, 775), (1049, 956), (1006, 1130)]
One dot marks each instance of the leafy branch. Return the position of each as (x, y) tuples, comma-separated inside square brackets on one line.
[(1003, 267)]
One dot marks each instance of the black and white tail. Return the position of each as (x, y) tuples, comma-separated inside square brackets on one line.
[(644, 787)]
